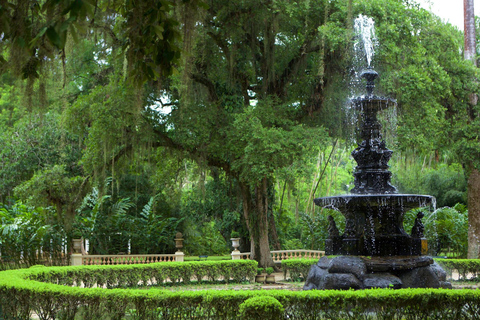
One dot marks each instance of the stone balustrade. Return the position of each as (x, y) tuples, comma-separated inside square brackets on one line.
[(296, 254), (81, 257), (280, 255), (129, 259)]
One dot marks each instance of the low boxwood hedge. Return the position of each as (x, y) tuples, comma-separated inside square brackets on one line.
[(23, 292), (464, 267), (121, 276), (297, 268)]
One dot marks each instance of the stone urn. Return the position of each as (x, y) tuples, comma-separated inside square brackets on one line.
[(77, 245), (235, 243), (179, 241)]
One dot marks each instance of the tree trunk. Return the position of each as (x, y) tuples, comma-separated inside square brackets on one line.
[(469, 30), (473, 214), (272, 227), (255, 208), (474, 177)]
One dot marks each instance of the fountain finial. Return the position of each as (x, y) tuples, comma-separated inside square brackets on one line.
[(370, 75)]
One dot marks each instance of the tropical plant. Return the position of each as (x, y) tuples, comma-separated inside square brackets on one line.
[(27, 239)]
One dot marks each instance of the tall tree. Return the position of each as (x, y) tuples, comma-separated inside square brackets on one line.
[(469, 31), (474, 173)]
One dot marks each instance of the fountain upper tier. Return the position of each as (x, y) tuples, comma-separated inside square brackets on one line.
[(371, 174)]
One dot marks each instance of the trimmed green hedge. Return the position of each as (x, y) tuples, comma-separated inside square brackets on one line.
[(463, 266), (298, 268), (20, 295), (122, 276)]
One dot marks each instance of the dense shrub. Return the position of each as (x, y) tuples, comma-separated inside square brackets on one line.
[(261, 307), (298, 268)]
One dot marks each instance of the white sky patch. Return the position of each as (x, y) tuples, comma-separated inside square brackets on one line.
[(157, 106), (449, 10)]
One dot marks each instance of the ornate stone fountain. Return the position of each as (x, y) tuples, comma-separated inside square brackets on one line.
[(377, 252), (374, 211)]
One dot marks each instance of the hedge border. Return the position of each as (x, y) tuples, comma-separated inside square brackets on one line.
[(122, 276), (20, 296), (462, 266)]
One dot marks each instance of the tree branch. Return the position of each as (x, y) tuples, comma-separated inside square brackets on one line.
[(202, 79)]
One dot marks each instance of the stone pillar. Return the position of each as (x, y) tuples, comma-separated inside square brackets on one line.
[(236, 255), (76, 259), (179, 256)]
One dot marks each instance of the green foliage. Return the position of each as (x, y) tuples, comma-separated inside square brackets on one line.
[(50, 187), (445, 182), (207, 240), (268, 141), (33, 33), (110, 223), (34, 144), (269, 270), (262, 307), (24, 231)]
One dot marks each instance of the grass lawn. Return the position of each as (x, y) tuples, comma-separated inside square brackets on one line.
[(208, 258)]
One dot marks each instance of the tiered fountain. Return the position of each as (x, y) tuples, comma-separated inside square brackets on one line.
[(377, 252)]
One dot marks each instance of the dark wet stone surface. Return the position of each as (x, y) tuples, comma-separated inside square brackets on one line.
[(346, 264), (382, 280), (340, 281), (408, 201), (423, 277), (324, 262), (441, 274), (315, 278), (385, 264), (352, 272)]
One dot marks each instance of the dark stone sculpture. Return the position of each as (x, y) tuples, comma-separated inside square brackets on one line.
[(374, 220), (332, 228), (418, 227)]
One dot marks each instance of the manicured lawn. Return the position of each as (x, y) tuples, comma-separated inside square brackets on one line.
[(208, 258)]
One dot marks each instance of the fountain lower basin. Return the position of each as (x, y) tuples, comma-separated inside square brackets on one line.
[(374, 224)]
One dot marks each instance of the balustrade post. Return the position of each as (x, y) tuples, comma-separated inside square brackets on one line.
[(179, 255), (76, 259)]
